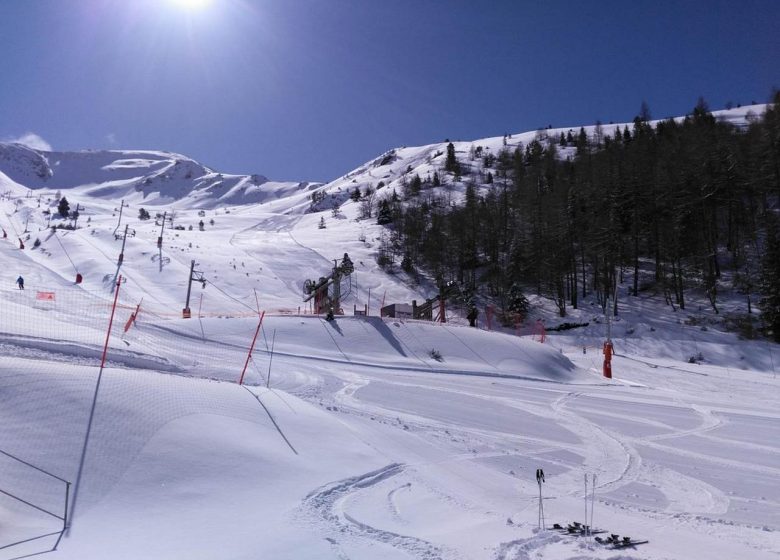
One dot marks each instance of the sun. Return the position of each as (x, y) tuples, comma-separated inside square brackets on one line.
[(192, 4)]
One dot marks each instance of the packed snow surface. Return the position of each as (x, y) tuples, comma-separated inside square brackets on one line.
[(362, 437)]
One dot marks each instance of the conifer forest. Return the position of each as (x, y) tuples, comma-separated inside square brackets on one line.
[(664, 207)]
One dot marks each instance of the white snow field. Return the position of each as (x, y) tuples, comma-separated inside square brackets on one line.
[(361, 445)]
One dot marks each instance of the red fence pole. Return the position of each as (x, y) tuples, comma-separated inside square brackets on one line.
[(608, 350), (252, 347), (133, 317)]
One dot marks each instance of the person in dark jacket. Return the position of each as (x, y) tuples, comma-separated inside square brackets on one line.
[(472, 316), (20, 281)]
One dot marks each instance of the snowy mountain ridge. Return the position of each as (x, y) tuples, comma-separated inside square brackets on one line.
[(393, 168), (161, 177), (158, 177)]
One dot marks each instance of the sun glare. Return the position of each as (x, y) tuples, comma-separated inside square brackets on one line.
[(192, 4)]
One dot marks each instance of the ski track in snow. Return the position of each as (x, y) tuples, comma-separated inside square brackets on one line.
[(602, 450), (392, 503), (524, 549), (611, 454), (280, 228), (329, 503), (684, 493)]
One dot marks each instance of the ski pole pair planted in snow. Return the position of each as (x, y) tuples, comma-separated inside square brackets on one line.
[(589, 526), (539, 481)]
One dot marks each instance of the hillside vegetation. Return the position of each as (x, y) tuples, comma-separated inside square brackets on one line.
[(669, 206)]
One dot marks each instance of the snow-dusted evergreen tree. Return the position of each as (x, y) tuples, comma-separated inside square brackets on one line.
[(516, 300), (415, 186), (451, 162), (63, 207), (384, 214)]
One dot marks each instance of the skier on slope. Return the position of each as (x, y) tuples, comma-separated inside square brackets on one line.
[(20, 281)]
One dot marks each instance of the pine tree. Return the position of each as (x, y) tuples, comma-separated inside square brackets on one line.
[(415, 186), (516, 300), (384, 215), (406, 264), (582, 139), (63, 207), (451, 163)]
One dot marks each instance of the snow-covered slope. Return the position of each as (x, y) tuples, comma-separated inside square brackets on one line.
[(358, 438), (397, 166)]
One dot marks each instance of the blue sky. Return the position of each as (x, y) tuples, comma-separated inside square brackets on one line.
[(309, 89)]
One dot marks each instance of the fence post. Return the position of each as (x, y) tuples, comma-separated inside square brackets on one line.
[(251, 347)]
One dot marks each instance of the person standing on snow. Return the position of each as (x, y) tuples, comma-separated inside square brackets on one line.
[(20, 281), (472, 315)]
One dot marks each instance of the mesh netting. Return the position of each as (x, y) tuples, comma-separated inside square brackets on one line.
[(51, 345), (49, 340)]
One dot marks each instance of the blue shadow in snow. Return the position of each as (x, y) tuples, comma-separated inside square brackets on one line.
[(386, 333)]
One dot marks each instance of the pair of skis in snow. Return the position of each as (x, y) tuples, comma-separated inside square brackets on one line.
[(613, 541), (616, 542), (576, 528), (585, 529)]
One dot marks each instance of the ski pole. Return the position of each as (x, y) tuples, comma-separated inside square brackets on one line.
[(585, 523), (592, 501), (540, 480)]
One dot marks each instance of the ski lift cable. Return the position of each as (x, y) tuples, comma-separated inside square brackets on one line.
[(57, 237), (223, 292), (257, 368), (11, 223)]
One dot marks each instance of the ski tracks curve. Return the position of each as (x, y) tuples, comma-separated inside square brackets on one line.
[(327, 502), (608, 452), (522, 549)]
